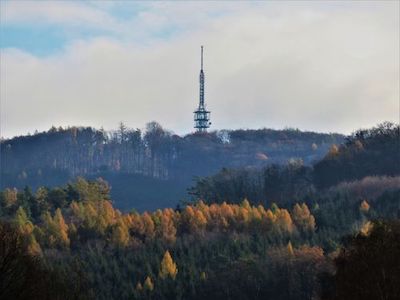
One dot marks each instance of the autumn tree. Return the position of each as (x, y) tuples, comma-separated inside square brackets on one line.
[(265, 224), (333, 151), (120, 234), (22, 221), (10, 197), (60, 228), (168, 267), (148, 284), (26, 228), (364, 207), (303, 218), (148, 226), (167, 228), (290, 249), (283, 221), (193, 220), (139, 287), (57, 229)]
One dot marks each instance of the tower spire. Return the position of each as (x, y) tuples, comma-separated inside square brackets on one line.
[(201, 104), (201, 115), (201, 57)]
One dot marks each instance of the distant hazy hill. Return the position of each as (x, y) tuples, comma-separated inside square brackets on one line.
[(149, 169)]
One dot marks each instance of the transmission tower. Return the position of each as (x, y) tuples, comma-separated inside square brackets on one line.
[(201, 115)]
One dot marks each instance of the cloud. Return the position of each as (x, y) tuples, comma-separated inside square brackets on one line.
[(126, 20), (61, 12), (320, 67)]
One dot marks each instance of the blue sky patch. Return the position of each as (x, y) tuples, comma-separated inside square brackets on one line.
[(40, 41)]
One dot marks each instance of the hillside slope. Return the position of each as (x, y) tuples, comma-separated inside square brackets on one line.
[(153, 168), (372, 153)]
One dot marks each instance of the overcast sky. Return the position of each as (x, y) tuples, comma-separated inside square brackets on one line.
[(323, 66)]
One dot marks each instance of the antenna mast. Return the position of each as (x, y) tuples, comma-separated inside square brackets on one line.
[(201, 115), (201, 57)]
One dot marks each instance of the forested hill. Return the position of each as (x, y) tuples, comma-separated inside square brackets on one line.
[(367, 152), (368, 159), (298, 236), (151, 168)]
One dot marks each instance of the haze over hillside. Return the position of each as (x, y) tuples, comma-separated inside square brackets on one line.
[(150, 169)]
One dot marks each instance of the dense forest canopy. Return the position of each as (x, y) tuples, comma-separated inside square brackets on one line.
[(155, 163), (218, 251)]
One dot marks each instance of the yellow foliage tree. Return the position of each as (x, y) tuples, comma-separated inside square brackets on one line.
[(120, 235), (106, 215), (290, 249), (168, 267), (333, 150), (61, 228), (245, 204), (33, 246), (256, 214), (201, 220), (136, 224), (22, 221), (204, 208), (10, 197), (139, 287), (283, 220), (243, 215), (90, 215), (366, 228), (56, 229), (148, 284), (26, 228), (148, 225), (194, 220), (303, 218), (167, 229), (77, 211), (364, 207)]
